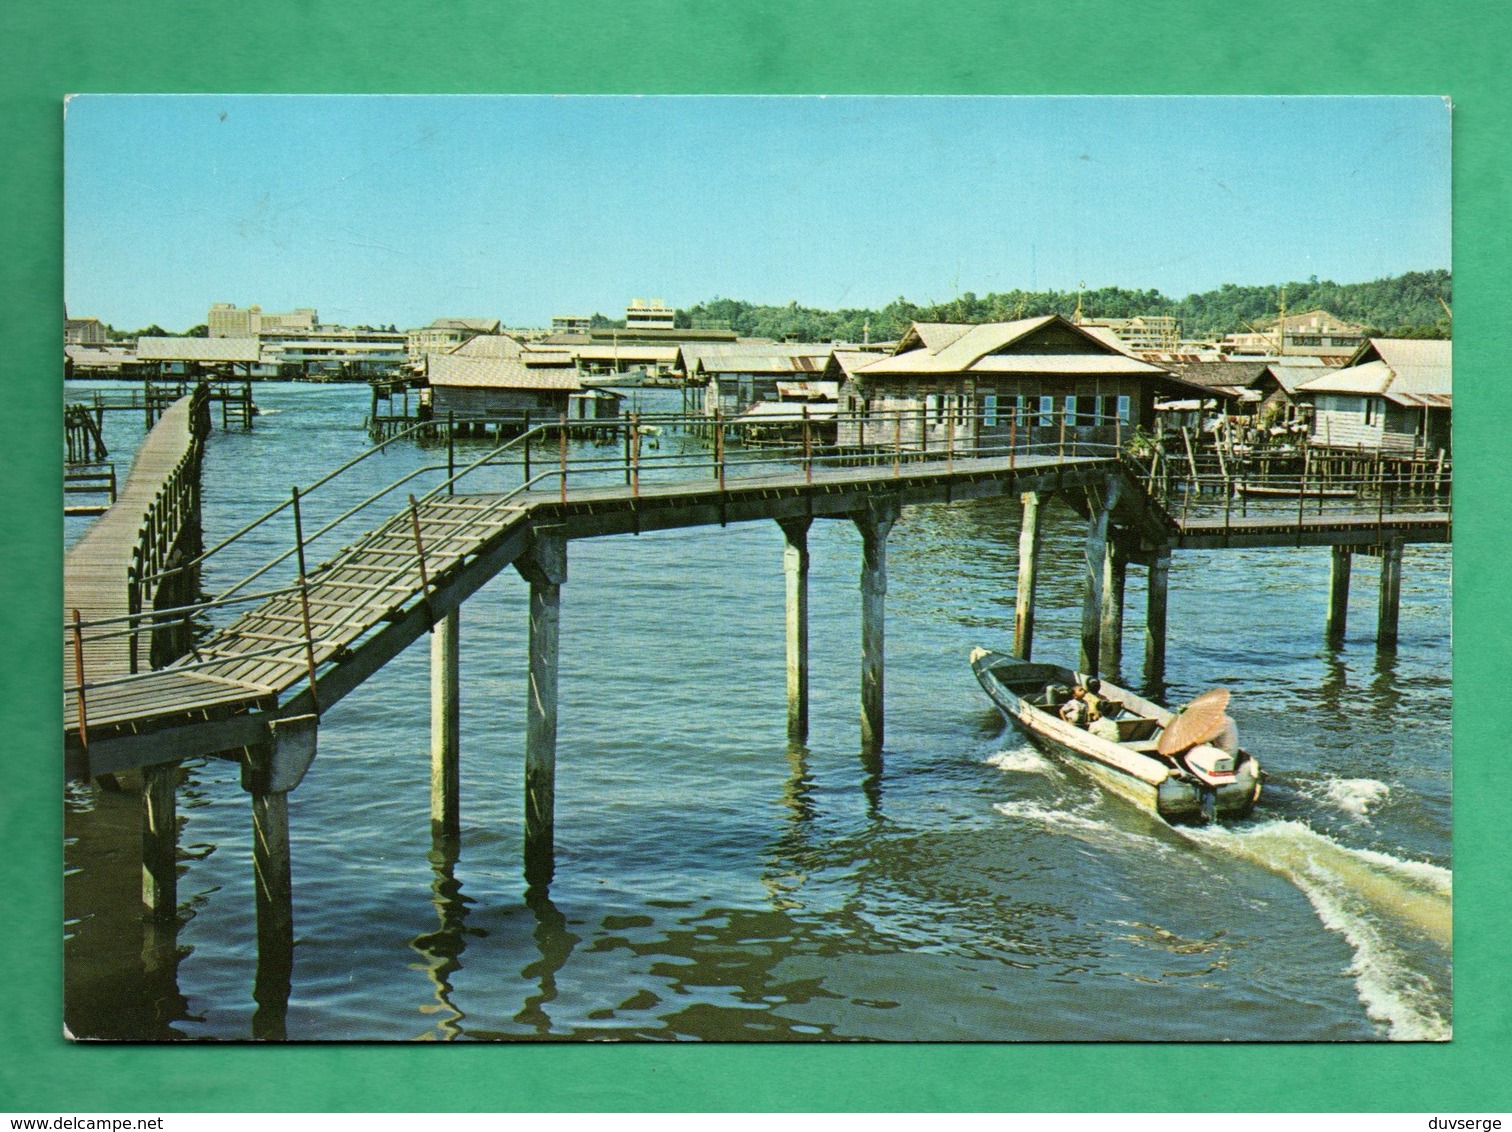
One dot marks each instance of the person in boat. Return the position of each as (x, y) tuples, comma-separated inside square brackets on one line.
[(1074, 711), (1095, 699), (1102, 723)]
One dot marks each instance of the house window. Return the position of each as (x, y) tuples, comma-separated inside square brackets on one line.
[(1046, 412), (1123, 409), (1372, 410), (932, 409), (989, 410), (1070, 407)]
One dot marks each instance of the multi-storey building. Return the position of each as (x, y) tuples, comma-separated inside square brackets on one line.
[(227, 320)]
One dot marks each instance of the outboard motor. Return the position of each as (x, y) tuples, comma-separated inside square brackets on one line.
[(1211, 765)]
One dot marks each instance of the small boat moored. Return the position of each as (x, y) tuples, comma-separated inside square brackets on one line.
[(1180, 766)]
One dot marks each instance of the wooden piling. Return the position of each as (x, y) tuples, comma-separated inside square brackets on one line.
[(544, 566), (795, 567), (1028, 571), (1095, 553), (160, 841), (1339, 567), (1155, 616), (874, 526), (275, 912), (1111, 637), (1391, 594), (445, 745)]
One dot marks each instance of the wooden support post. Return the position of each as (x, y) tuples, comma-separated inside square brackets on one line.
[(1028, 572), (445, 793), (1092, 595), (544, 566), (1391, 594), (160, 841), (1111, 644), (875, 524), (1155, 617), (275, 912), (795, 568), (1338, 593)]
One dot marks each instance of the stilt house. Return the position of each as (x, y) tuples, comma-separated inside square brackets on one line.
[(1395, 395), (976, 385)]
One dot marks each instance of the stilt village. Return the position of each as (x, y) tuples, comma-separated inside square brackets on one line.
[(1307, 432)]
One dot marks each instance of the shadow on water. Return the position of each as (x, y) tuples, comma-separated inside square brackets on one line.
[(121, 968)]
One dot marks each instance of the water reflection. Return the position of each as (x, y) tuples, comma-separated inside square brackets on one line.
[(787, 871), (442, 949), (555, 945)]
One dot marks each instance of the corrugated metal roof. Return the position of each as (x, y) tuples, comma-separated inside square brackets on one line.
[(496, 373), (960, 348), (789, 411), (1063, 363), (848, 361), (601, 352), (480, 325), (99, 357), (1290, 377), (488, 346), (1236, 374), (198, 350), (826, 390), (1409, 371)]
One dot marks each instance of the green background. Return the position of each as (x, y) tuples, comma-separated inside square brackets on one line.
[(1045, 46)]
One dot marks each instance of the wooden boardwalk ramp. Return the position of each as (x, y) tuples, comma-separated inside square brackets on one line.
[(152, 515)]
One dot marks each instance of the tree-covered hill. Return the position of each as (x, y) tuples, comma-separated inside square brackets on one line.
[(1401, 306)]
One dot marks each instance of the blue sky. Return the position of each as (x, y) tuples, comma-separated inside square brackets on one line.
[(403, 209)]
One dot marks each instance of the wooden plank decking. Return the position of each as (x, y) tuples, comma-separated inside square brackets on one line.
[(95, 568), (369, 602)]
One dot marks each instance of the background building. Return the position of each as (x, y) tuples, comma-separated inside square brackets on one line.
[(227, 320)]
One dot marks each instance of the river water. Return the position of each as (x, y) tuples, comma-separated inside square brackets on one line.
[(713, 883)]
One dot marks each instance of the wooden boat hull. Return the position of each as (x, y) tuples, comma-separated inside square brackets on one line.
[(1147, 780)]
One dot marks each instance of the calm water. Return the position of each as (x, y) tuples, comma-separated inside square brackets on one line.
[(714, 884)]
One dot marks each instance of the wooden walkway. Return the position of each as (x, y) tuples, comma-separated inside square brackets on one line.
[(374, 599), (96, 569), (299, 653), (1333, 528)]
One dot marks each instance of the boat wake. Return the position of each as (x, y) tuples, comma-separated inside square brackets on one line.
[(1079, 822), (1024, 760), (1356, 797), (1377, 902)]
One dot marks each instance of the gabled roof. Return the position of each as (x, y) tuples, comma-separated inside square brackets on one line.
[(843, 363), (488, 346), (745, 357), (450, 371), (1238, 375), (1290, 377), (1408, 371), (476, 325), (99, 357), (198, 350), (931, 348)]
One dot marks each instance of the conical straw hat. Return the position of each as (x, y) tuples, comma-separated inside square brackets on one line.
[(1198, 722)]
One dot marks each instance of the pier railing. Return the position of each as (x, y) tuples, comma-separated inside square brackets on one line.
[(555, 459)]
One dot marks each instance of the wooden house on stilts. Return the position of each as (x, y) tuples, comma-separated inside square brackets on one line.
[(967, 386)]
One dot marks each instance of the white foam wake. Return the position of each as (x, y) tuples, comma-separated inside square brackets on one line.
[(1355, 796), (1367, 897), (1023, 761)]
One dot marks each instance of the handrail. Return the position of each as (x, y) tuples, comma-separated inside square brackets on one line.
[(938, 435)]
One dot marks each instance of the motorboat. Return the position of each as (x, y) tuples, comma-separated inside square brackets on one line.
[(1185, 767)]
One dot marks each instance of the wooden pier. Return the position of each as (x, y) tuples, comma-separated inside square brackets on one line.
[(255, 690), (152, 525)]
